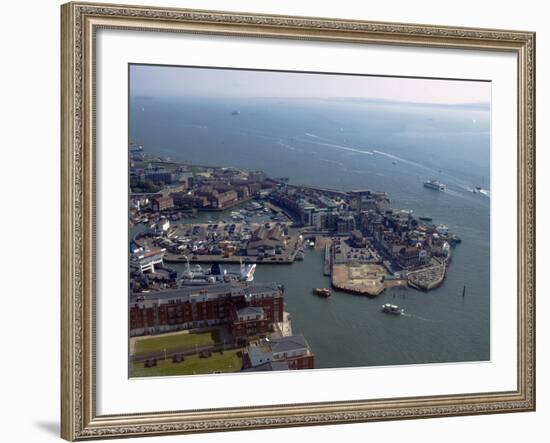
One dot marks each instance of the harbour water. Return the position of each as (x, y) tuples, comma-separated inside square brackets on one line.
[(357, 145)]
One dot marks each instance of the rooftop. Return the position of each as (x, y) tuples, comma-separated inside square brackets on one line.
[(209, 291), (288, 343), (250, 310)]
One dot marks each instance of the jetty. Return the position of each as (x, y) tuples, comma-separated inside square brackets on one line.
[(362, 279), (429, 278), (327, 263)]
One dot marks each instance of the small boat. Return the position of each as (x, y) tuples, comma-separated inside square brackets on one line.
[(300, 255), (425, 218), (392, 309), (322, 292)]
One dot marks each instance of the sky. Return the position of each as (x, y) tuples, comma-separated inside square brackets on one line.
[(162, 81)]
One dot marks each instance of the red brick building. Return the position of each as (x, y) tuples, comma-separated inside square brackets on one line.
[(160, 203), (249, 321), (249, 309)]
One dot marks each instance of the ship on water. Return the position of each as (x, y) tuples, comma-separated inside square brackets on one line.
[(216, 274), (435, 185), (392, 309), (322, 292)]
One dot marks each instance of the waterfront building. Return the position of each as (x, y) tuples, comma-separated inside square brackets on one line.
[(145, 261), (187, 200), (161, 203), (439, 246), (139, 201), (159, 176), (345, 224), (254, 188), (409, 257), (249, 321), (266, 241), (242, 192), (258, 176), (218, 196), (328, 202), (245, 308), (289, 352), (319, 219), (306, 209), (224, 199)]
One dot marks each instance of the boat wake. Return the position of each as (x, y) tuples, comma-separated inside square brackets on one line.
[(322, 141), (447, 177), (485, 192), (460, 187), (417, 317), (402, 160)]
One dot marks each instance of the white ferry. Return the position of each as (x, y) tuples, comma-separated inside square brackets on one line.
[(392, 309), (435, 185)]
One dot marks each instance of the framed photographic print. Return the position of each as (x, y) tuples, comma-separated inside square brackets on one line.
[(281, 221)]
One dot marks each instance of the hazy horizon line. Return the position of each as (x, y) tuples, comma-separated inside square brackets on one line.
[(481, 105)]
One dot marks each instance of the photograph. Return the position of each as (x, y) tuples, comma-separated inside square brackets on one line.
[(283, 218), (290, 220)]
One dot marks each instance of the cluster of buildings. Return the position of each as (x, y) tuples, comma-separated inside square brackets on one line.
[(254, 240), (399, 236), (249, 310), (203, 188), (366, 215), (328, 210)]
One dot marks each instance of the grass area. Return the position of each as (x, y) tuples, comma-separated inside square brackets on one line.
[(174, 341), (229, 361), (195, 170)]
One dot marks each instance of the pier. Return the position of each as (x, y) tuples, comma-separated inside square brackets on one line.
[(363, 279), (327, 263), (429, 278)]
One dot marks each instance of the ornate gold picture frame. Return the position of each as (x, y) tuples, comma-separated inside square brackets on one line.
[(80, 22)]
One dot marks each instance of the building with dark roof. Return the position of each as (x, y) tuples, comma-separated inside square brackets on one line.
[(266, 240), (293, 351)]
